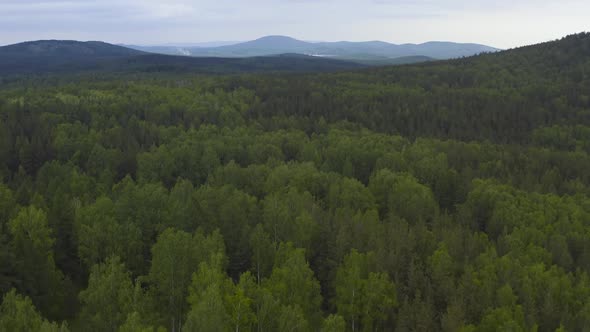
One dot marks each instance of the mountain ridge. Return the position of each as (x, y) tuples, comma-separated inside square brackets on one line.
[(277, 44), (66, 56), (55, 47)]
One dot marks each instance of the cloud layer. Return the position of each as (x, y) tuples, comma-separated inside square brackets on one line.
[(500, 23)]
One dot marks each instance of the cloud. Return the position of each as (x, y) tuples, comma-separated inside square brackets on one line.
[(501, 23)]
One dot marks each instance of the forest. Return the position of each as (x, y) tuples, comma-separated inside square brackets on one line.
[(443, 196)]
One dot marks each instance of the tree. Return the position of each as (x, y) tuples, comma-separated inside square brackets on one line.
[(416, 314), (8, 277), (364, 298), (403, 195), (263, 252), (181, 210), (207, 291), (208, 313), (442, 274), (134, 323), (233, 213), (351, 194), (18, 314), (239, 303), (140, 210), (349, 285), (267, 310), (7, 205), (175, 257), (32, 245), (292, 282), (107, 301), (7, 259), (503, 319), (289, 216), (334, 323), (101, 235), (292, 319), (380, 298), (173, 263)]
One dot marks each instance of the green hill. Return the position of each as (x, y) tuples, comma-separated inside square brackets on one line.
[(67, 48), (73, 57), (501, 96), (273, 45), (440, 196)]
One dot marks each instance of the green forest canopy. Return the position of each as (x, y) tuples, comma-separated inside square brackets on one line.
[(447, 196)]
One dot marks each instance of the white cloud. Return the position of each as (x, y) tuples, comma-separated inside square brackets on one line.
[(500, 23)]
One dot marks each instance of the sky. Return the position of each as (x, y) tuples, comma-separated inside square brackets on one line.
[(500, 23)]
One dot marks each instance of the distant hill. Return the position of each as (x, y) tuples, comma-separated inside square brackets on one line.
[(69, 48), (177, 49), (499, 96), (49, 56), (272, 45), (214, 65), (59, 55), (382, 61)]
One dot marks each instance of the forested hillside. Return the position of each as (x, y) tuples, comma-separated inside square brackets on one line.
[(446, 196), (356, 51), (66, 57)]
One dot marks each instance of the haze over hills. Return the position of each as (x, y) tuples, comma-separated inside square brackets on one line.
[(272, 53), (178, 48), (271, 45), (62, 56)]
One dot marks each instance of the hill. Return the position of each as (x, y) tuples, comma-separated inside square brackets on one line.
[(271, 45), (214, 65), (54, 56), (383, 61), (500, 96), (441, 196), (59, 55), (67, 48)]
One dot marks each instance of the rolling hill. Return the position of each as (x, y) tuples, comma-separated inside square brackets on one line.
[(56, 56), (442, 196), (272, 45), (72, 48), (60, 55)]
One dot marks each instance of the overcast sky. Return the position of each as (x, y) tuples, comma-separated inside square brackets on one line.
[(500, 23)]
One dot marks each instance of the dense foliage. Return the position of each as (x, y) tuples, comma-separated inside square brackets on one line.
[(67, 57), (451, 196)]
